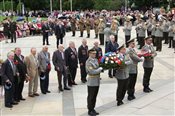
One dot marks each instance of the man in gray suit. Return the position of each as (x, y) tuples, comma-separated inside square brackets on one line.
[(141, 33), (133, 70), (44, 66), (159, 35), (127, 29), (59, 62), (148, 63), (122, 75)]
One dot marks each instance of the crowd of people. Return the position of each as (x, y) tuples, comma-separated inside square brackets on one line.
[(18, 68)]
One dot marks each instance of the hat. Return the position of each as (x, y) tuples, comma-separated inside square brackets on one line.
[(92, 51), (132, 40), (42, 76), (147, 38), (8, 85), (120, 47)]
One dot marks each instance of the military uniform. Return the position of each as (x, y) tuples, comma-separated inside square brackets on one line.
[(122, 75), (101, 28), (166, 25), (141, 34), (170, 34), (83, 56), (96, 23), (159, 36), (133, 70), (81, 26), (148, 65), (93, 70), (88, 27), (127, 30), (115, 29), (73, 26)]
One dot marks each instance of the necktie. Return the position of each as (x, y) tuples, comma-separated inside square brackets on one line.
[(62, 55)]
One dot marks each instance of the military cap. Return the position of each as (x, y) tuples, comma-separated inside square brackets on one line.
[(132, 40), (120, 47), (147, 38)]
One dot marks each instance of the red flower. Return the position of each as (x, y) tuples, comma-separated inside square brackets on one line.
[(16, 62)]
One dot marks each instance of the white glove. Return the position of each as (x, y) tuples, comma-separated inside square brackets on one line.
[(100, 68)]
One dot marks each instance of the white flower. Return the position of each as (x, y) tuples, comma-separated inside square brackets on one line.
[(112, 62), (107, 58), (106, 62)]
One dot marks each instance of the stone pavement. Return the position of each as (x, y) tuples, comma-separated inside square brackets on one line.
[(74, 102)]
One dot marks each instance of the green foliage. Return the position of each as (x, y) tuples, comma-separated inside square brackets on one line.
[(7, 5)]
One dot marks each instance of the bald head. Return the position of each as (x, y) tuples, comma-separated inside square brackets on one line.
[(84, 42), (112, 38), (96, 43), (45, 48), (61, 47), (71, 44)]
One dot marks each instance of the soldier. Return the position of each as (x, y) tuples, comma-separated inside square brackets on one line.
[(101, 28), (96, 29), (148, 64), (13, 28), (133, 70), (166, 25), (107, 33), (122, 75), (127, 29), (149, 24), (73, 25), (141, 33), (159, 35), (98, 50), (88, 26), (170, 33), (81, 26), (93, 70), (115, 29), (83, 56)]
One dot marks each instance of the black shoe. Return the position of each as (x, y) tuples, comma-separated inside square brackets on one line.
[(146, 90), (130, 98), (66, 88), (61, 90), (74, 83), (96, 112), (48, 44), (110, 76), (17, 100), (9, 106), (14, 103), (149, 89), (119, 103), (22, 99), (36, 94), (92, 113), (133, 97), (48, 92), (43, 92), (83, 81)]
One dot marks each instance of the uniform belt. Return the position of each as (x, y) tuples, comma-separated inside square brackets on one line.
[(95, 75)]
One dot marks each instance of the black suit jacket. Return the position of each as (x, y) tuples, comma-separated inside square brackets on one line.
[(58, 61), (21, 66), (7, 72), (71, 58), (59, 32), (83, 54), (112, 47), (45, 28)]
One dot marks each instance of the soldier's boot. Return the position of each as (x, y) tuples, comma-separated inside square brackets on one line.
[(73, 33), (81, 34), (96, 35)]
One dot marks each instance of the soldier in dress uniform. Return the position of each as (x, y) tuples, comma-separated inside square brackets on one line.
[(170, 33), (101, 28), (115, 29), (166, 25), (148, 63), (88, 26), (93, 70), (96, 23), (127, 29), (133, 69), (159, 35), (83, 56), (81, 26), (141, 33), (122, 75), (99, 53), (73, 25), (149, 24)]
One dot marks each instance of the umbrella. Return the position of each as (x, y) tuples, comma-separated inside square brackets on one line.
[(20, 19)]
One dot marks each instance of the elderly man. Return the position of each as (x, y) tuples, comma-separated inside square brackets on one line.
[(112, 46), (32, 69), (98, 50), (9, 72), (44, 66), (22, 69), (71, 56), (45, 32), (59, 62), (83, 56)]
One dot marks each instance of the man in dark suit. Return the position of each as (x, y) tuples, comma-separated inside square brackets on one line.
[(58, 60), (99, 53), (59, 32), (9, 71), (83, 56), (21, 66), (13, 29), (71, 62), (45, 32), (112, 46)]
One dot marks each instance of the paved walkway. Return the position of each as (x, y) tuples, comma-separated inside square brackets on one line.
[(70, 103)]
